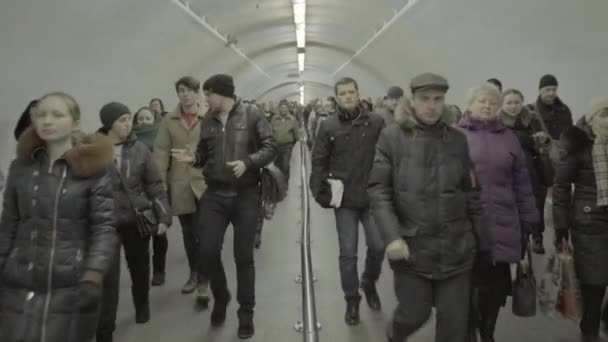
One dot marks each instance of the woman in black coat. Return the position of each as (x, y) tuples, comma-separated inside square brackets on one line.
[(57, 235), (529, 131), (584, 211)]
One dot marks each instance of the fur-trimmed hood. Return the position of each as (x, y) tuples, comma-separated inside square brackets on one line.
[(405, 118), (93, 153)]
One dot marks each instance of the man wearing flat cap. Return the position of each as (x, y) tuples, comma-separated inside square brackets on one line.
[(426, 204), (236, 141)]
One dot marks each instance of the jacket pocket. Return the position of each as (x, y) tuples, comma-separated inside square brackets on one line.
[(583, 212)]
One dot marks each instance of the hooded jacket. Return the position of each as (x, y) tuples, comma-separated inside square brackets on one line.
[(57, 224), (422, 189), (506, 191)]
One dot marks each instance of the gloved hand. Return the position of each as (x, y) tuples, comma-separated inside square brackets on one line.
[(397, 250), (526, 230), (560, 236), (89, 296)]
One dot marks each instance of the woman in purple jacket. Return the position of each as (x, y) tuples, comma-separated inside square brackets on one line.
[(507, 197)]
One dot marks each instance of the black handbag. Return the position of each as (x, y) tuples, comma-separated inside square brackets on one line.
[(145, 218), (524, 289)]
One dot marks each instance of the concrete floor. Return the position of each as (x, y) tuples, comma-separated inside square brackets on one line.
[(279, 296)]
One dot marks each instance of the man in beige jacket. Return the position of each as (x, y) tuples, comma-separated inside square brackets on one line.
[(185, 183)]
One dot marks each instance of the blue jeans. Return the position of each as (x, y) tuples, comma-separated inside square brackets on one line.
[(347, 224)]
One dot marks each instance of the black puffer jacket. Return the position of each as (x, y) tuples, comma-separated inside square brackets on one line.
[(578, 210), (422, 190), (524, 127), (246, 137), (141, 174), (344, 149), (55, 226)]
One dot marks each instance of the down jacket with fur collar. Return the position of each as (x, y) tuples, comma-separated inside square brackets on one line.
[(422, 189), (57, 224)]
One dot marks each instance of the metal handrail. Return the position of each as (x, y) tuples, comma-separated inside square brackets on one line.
[(309, 309)]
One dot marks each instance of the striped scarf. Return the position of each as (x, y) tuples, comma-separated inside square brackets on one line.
[(600, 166)]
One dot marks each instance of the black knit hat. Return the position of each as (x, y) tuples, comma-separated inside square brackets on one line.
[(394, 92), (547, 81), (496, 82), (220, 84), (110, 112)]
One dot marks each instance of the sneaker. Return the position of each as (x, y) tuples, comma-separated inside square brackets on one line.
[(191, 284), (246, 329), (158, 279), (371, 295)]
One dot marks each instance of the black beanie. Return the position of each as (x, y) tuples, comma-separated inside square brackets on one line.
[(221, 84), (111, 112), (547, 81)]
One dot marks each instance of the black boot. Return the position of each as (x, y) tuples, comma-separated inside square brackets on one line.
[(104, 337), (158, 279), (537, 245), (589, 338), (246, 328), (487, 325), (371, 295), (351, 317), (142, 305), (218, 315), (396, 332)]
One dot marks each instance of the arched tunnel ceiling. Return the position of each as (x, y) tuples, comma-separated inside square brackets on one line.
[(131, 51)]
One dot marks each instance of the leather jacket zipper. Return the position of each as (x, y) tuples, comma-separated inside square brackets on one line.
[(49, 282)]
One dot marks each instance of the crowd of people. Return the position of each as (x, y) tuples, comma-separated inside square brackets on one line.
[(452, 199)]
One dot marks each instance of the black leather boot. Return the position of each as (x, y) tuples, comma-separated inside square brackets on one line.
[(218, 314), (351, 317), (246, 328), (371, 295), (142, 305), (487, 325)]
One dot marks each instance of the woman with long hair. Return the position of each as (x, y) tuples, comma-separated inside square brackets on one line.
[(57, 235)]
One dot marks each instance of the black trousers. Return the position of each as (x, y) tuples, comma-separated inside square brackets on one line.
[(219, 211), (417, 295), (137, 253), (160, 245), (494, 286), (593, 297), (190, 226), (541, 199)]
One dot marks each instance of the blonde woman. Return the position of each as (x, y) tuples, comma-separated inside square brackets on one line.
[(500, 166)]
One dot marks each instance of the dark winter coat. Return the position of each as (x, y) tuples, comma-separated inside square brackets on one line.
[(344, 150), (247, 137), (557, 117), (422, 189), (506, 191), (143, 180), (577, 210), (524, 127), (55, 226)]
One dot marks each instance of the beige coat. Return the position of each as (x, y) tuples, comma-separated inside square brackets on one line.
[(186, 183)]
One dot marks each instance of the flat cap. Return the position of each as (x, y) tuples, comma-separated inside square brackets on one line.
[(429, 80)]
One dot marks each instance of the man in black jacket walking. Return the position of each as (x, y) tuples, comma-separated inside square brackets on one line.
[(236, 142), (342, 157), (429, 213)]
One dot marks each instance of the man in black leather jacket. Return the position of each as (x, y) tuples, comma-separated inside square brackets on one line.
[(236, 142)]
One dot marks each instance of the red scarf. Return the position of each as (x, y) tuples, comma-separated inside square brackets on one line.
[(189, 118)]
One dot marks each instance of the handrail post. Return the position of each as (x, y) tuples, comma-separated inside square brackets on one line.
[(309, 309)]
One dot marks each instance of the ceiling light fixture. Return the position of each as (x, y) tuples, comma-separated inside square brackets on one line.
[(299, 19)]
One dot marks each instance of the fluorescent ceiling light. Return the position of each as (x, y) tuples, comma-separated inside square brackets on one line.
[(301, 35), (302, 95), (301, 59), (299, 13)]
